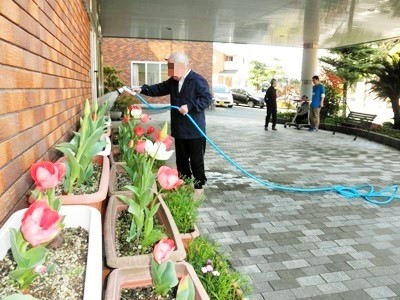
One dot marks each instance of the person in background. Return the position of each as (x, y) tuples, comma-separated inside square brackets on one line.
[(317, 102), (302, 111), (191, 93), (270, 100)]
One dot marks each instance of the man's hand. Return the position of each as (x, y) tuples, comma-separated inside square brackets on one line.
[(183, 109), (136, 90)]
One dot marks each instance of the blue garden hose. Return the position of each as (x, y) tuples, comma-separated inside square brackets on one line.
[(367, 191)]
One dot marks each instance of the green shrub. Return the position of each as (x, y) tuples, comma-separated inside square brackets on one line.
[(183, 208), (287, 115), (122, 102), (229, 284), (111, 79)]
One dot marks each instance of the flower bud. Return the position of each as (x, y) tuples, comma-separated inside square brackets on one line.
[(86, 111)]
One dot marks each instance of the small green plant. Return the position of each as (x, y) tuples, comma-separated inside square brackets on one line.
[(183, 208), (84, 146), (219, 280)]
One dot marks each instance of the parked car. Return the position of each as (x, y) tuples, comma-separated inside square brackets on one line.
[(222, 96), (248, 97)]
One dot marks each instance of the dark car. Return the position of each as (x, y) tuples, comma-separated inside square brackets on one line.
[(245, 96)]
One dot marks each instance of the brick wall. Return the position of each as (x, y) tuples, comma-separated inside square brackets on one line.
[(119, 52), (44, 79)]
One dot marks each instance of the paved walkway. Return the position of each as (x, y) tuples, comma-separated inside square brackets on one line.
[(302, 245)]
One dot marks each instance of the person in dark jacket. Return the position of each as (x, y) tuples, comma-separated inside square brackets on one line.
[(191, 93), (270, 100)]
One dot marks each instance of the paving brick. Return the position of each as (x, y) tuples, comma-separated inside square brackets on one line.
[(302, 245)]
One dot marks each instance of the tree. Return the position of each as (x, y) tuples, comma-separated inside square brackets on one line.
[(351, 64), (334, 88), (111, 79), (386, 83), (260, 73)]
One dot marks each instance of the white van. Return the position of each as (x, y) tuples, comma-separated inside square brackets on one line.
[(222, 96)]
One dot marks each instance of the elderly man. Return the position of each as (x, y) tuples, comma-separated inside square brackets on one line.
[(191, 93)]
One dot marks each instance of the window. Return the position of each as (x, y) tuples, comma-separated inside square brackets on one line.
[(148, 72)]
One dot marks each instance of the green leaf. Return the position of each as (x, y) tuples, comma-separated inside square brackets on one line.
[(17, 241), (36, 256), (187, 293), (152, 238)]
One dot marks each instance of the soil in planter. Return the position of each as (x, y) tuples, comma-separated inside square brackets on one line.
[(146, 293), (65, 274), (122, 179), (117, 157), (122, 246), (85, 188)]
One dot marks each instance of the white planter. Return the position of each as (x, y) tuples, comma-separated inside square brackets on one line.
[(75, 215)]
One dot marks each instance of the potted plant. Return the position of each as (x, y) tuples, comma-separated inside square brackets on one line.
[(184, 211), (158, 280), (214, 271), (42, 239), (144, 207), (82, 160)]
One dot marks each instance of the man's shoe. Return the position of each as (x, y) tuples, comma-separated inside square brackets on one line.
[(266, 128), (273, 128), (310, 129), (198, 195)]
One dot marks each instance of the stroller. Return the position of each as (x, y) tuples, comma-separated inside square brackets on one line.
[(301, 118)]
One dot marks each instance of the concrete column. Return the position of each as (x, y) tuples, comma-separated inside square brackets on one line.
[(310, 45), (308, 68)]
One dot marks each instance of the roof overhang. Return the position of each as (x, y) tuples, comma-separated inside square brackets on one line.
[(292, 23)]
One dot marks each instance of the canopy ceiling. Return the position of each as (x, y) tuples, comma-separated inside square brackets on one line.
[(327, 23)]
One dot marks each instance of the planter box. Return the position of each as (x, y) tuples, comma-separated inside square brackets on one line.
[(112, 184), (84, 216), (95, 200), (141, 277), (164, 216), (188, 237), (114, 152)]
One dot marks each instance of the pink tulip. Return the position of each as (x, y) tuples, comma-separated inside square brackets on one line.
[(167, 140), (62, 169), (47, 174), (139, 131), (140, 146), (144, 118), (168, 178), (40, 223), (163, 250)]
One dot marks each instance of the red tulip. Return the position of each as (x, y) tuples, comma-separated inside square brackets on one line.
[(139, 131), (125, 119), (168, 178), (150, 130), (47, 174), (40, 223), (163, 250)]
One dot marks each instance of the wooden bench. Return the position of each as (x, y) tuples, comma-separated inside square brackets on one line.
[(357, 120)]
